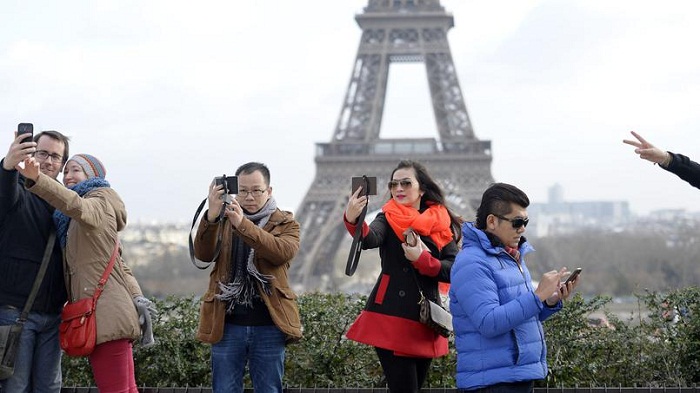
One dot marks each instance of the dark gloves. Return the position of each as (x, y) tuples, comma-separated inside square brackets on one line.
[(145, 307)]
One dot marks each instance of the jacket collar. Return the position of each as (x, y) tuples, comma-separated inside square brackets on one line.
[(472, 236)]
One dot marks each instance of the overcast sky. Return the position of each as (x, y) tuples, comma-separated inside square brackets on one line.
[(170, 93)]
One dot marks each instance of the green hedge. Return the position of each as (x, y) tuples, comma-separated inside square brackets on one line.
[(658, 346)]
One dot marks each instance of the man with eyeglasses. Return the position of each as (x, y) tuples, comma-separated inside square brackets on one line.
[(496, 310), (25, 224), (249, 312)]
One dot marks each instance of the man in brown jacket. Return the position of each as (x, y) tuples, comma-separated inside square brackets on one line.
[(249, 312)]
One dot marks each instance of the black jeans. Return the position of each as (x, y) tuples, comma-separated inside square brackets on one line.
[(505, 387), (403, 374)]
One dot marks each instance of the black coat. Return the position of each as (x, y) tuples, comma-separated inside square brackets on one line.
[(25, 224), (401, 296), (685, 168), (390, 319)]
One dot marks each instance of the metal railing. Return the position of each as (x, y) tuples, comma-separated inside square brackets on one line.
[(428, 390)]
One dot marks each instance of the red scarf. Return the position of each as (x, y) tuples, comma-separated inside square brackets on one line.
[(434, 222), (514, 252)]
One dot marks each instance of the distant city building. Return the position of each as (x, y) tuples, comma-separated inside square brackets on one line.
[(669, 214), (145, 242), (558, 217), (556, 194)]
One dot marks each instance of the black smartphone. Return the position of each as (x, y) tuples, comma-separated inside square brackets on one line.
[(26, 128), (359, 181), (230, 183), (573, 275)]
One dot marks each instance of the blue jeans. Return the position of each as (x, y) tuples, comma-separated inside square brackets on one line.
[(38, 361), (261, 347)]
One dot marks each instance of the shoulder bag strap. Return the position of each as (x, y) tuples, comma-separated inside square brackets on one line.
[(420, 289), (39, 277), (105, 275), (356, 248)]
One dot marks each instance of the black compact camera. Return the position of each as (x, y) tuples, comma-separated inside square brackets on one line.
[(369, 186), (230, 183)]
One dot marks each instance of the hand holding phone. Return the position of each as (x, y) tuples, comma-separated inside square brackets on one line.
[(573, 275), (411, 237), (25, 128)]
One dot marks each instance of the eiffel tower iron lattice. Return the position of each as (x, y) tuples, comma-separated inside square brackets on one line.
[(392, 31)]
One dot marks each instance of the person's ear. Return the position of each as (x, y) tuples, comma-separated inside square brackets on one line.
[(491, 222)]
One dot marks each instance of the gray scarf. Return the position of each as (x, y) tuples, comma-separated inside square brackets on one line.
[(241, 288)]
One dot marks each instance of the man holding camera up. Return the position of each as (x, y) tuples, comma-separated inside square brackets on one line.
[(249, 312), (25, 224)]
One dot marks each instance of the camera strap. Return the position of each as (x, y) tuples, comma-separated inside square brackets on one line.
[(356, 248), (196, 262)]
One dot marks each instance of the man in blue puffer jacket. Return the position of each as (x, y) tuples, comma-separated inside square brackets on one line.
[(496, 311)]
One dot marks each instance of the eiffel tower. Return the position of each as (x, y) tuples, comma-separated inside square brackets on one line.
[(393, 31)]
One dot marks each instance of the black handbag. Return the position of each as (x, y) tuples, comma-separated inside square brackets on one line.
[(9, 344), (10, 334)]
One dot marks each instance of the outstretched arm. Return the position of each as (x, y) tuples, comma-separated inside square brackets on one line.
[(649, 152), (682, 166)]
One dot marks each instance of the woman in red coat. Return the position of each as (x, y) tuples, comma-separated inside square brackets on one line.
[(390, 319)]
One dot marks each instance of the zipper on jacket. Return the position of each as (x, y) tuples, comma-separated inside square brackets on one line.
[(520, 267)]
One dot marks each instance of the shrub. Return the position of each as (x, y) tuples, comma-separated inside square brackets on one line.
[(657, 346), (177, 359)]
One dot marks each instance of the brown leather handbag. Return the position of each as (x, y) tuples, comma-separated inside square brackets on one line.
[(431, 313)]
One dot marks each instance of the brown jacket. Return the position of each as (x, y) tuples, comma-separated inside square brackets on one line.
[(275, 246), (95, 220)]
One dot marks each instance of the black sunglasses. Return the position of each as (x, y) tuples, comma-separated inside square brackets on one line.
[(516, 222), (405, 183)]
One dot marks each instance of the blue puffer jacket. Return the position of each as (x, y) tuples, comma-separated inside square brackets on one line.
[(496, 315)]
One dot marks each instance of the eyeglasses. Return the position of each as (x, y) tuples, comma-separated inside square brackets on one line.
[(516, 222), (44, 155), (405, 183), (254, 193)]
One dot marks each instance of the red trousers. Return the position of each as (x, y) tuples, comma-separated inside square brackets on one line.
[(113, 367)]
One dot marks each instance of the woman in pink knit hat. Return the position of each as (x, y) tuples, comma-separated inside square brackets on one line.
[(89, 214)]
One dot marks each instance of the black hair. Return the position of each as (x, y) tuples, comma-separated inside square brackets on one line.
[(497, 200), (255, 166)]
